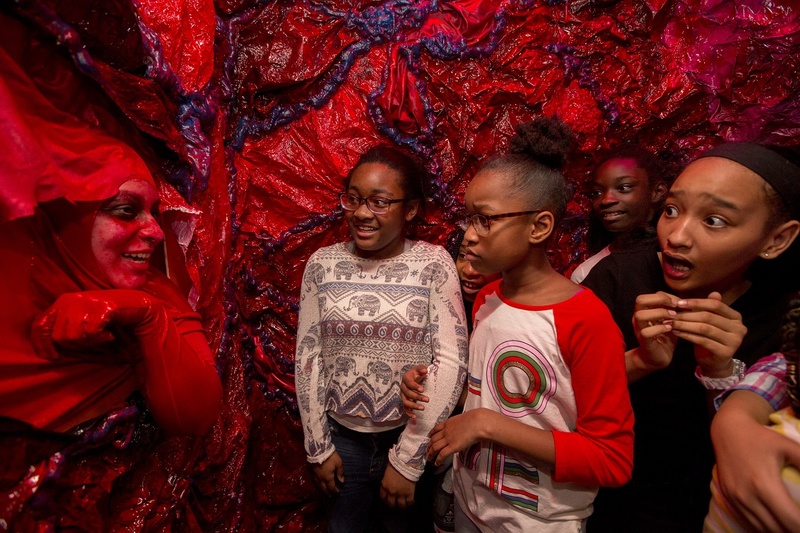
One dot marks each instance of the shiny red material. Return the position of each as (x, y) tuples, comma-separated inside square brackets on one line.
[(60, 155)]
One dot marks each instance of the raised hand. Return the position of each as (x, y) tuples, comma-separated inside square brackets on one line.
[(652, 324), (81, 320), (714, 328)]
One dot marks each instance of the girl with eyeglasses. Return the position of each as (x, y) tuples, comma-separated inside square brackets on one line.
[(370, 309), (547, 418)]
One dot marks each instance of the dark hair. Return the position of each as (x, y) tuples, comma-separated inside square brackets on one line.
[(454, 243), (657, 172), (791, 350), (537, 153), (779, 210), (412, 173), (644, 158)]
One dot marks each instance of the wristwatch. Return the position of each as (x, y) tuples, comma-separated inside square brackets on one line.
[(722, 383)]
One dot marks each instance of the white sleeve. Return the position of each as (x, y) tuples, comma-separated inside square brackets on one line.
[(446, 373), (309, 370)]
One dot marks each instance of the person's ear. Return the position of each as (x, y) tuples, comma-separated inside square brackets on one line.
[(542, 227), (780, 239), (412, 207), (659, 192)]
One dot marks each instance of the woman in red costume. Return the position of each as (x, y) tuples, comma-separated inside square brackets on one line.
[(99, 347)]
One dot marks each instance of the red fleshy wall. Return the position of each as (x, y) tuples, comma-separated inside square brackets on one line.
[(255, 111)]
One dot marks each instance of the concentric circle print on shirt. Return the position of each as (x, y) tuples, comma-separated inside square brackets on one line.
[(520, 379)]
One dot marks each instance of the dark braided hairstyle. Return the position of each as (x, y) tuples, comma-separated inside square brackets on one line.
[(657, 171), (790, 349), (533, 165)]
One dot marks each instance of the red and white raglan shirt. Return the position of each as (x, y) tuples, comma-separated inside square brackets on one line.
[(559, 368)]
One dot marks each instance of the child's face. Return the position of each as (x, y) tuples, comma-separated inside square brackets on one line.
[(472, 281), (378, 236), (506, 245), (714, 225), (621, 195)]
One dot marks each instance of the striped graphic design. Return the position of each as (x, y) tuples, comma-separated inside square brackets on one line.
[(521, 498), (474, 385), (512, 480)]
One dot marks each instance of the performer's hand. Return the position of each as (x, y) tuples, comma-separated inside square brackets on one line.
[(80, 320)]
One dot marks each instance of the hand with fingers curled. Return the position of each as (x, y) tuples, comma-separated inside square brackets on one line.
[(396, 490), (714, 328), (411, 390), (751, 457), (80, 320), (329, 474), (455, 434), (652, 323)]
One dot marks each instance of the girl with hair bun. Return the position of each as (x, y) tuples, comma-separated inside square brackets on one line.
[(547, 417)]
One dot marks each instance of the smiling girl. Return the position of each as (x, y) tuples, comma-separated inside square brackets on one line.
[(626, 193), (704, 308), (370, 309)]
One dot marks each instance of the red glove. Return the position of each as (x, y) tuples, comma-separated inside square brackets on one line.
[(175, 366)]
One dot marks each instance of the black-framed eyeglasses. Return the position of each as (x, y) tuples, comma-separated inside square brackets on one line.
[(377, 204), (482, 223)]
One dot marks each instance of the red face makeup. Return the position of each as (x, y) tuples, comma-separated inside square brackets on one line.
[(125, 234)]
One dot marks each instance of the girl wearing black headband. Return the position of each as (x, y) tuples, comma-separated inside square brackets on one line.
[(703, 308)]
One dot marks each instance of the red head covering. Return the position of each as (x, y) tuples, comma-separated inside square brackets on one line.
[(50, 154)]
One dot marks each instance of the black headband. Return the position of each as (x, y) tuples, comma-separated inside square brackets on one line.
[(772, 167)]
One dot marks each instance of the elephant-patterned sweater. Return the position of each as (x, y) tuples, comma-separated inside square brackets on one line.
[(362, 324)]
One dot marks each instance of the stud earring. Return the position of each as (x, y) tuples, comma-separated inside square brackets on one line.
[(766, 255)]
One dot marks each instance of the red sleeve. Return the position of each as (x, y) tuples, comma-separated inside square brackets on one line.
[(480, 299), (177, 375), (600, 450)]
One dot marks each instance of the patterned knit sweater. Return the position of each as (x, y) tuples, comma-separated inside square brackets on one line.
[(362, 324)]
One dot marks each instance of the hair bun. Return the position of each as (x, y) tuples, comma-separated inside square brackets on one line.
[(547, 140)]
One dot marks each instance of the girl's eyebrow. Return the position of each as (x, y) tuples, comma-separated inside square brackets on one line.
[(714, 199), (373, 192)]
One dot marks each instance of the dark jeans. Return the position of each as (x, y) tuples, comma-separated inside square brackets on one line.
[(358, 506)]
